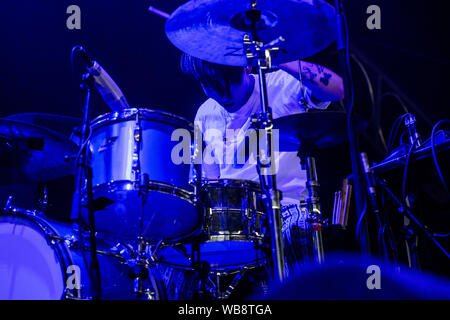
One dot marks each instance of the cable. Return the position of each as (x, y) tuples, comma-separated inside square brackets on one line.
[(394, 132), (368, 81), (433, 151), (441, 235), (358, 225), (398, 98), (405, 172), (349, 72), (350, 110)]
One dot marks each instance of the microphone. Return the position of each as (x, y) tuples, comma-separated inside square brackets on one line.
[(370, 179), (108, 89), (83, 54)]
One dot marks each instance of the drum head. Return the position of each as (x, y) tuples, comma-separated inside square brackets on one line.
[(118, 210), (29, 267), (221, 255)]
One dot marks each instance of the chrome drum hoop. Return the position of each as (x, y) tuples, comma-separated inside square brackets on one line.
[(128, 185), (143, 113)]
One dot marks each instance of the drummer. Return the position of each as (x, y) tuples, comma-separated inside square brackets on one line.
[(234, 97)]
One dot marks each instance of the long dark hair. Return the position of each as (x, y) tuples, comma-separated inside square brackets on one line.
[(213, 75)]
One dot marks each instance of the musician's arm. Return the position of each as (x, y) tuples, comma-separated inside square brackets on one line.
[(324, 84)]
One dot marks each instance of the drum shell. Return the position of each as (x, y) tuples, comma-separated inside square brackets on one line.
[(233, 210), (38, 257), (133, 151), (115, 149), (233, 227)]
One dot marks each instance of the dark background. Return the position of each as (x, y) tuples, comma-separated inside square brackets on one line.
[(130, 43), (410, 51)]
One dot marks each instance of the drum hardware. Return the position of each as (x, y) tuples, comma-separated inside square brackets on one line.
[(308, 163), (263, 121), (139, 260), (43, 200), (223, 295), (139, 271), (203, 270), (306, 133), (59, 261), (49, 233), (83, 174), (10, 208)]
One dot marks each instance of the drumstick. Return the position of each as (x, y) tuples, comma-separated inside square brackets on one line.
[(342, 201), (347, 203), (334, 207), (159, 12), (338, 207)]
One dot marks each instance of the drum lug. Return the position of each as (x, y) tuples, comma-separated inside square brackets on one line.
[(70, 294), (127, 253), (11, 209), (135, 164), (137, 138), (72, 242)]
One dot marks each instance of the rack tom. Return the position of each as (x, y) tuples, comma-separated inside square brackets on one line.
[(134, 156)]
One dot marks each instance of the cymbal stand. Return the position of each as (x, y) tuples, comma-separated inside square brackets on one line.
[(265, 158), (308, 163)]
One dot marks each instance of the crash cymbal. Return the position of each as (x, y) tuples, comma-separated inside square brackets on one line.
[(213, 30), (55, 122), (33, 153), (319, 129)]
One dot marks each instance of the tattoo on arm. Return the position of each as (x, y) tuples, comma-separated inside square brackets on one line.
[(310, 75), (325, 79), (321, 74)]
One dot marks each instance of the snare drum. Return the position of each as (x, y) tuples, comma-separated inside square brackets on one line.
[(133, 153), (41, 259), (233, 224)]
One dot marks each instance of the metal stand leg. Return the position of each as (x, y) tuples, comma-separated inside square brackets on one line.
[(313, 205), (140, 272), (202, 268)]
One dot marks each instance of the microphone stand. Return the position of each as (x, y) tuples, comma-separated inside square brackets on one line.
[(84, 173), (364, 240)]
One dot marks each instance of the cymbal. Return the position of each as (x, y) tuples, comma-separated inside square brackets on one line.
[(33, 153), (213, 30), (319, 129), (55, 122)]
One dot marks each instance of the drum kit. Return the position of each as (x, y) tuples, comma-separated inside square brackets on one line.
[(152, 222)]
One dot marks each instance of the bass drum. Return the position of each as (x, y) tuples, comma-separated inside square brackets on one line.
[(39, 260)]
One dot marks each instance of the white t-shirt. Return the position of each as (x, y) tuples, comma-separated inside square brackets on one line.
[(223, 145)]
